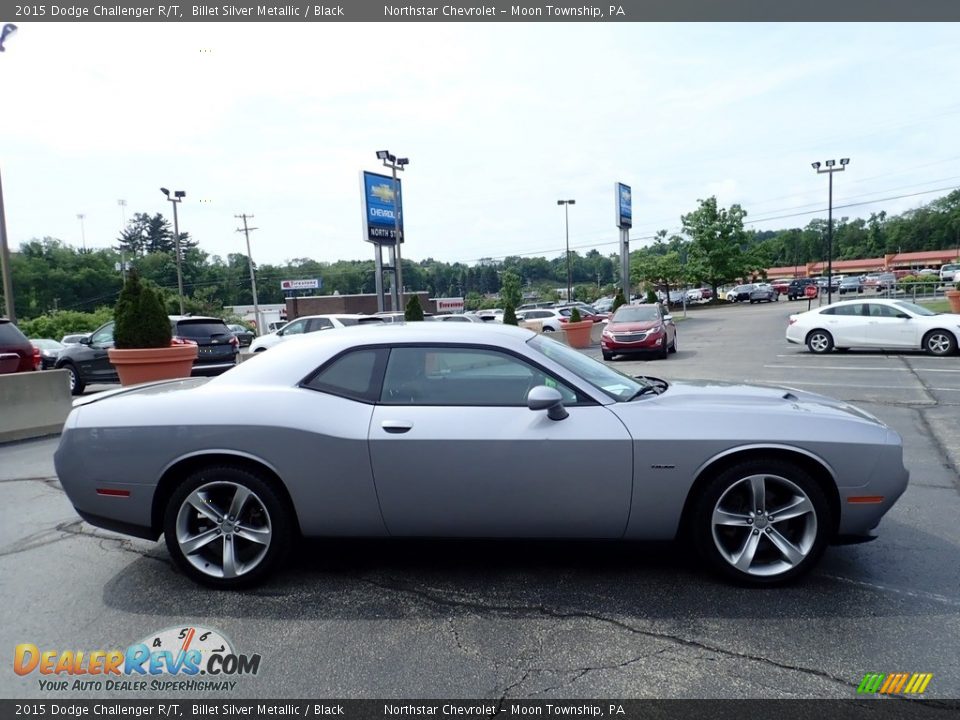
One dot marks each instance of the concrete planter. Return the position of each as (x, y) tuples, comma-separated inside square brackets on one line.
[(147, 365), (953, 296), (578, 333)]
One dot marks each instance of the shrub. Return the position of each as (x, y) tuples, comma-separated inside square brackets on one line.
[(413, 312), (575, 315), (141, 321), (652, 297), (618, 300), (62, 323), (509, 315)]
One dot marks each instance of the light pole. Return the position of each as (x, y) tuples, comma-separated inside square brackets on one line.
[(566, 215), (395, 163), (253, 280), (5, 264), (123, 226), (830, 169), (83, 234), (177, 198)]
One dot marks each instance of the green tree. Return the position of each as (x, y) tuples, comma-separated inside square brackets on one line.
[(719, 250), (413, 311), (510, 290), (618, 300), (141, 321), (509, 315)]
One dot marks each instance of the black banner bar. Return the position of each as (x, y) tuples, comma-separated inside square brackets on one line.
[(205, 709), (481, 11)]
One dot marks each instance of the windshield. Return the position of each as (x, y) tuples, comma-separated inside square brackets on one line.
[(915, 309), (611, 382), (633, 313)]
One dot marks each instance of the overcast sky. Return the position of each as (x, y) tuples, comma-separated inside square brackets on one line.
[(499, 122)]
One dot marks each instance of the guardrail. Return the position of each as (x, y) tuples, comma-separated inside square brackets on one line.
[(33, 404)]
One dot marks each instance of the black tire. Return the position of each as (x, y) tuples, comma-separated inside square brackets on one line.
[(842, 350), (664, 349), (259, 349), (270, 512), (940, 343), (776, 298), (819, 342), (808, 533), (607, 355), (77, 385), (673, 345)]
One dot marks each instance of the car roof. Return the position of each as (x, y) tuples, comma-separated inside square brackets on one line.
[(292, 360)]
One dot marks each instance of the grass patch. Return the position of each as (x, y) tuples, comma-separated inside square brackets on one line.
[(942, 306)]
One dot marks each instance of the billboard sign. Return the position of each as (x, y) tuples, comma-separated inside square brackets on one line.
[(624, 206), (310, 284), (379, 205), (449, 304)]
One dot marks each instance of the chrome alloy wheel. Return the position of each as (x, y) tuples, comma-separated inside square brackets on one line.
[(764, 525), (939, 343), (819, 342), (223, 529)]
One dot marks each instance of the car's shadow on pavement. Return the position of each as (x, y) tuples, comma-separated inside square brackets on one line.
[(377, 579)]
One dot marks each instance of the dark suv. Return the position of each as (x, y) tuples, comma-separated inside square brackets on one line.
[(16, 352), (798, 288), (88, 363)]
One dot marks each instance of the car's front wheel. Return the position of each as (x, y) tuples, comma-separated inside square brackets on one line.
[(226, 527), (820, 342), (940, 342), (77, 385), (762, 522)]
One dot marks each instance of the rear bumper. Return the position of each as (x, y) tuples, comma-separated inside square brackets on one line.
[(208, 369)]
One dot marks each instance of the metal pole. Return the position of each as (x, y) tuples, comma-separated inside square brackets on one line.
[(566, 215), (378, 275), (398, 270), (625, 263), (83, 233), (176, 242), (830, 241), (5, 263), (253, 279)]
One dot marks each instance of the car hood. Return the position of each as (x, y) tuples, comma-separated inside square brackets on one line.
[(632, 326), (705, 396)]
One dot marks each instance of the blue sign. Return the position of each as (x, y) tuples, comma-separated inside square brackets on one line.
[(380, 202), (624, 206)]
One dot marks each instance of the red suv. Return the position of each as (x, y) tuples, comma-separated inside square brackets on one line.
[(639, 329), (16, 352)]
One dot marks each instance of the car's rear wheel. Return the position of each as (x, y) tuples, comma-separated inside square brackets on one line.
[(77, 385), (762, 522), (820, 342), (226, 527), (673, 345), (940, 343)]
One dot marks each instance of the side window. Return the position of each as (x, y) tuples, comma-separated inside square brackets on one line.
[(319, 324), (104, 336), (295, 328), (462, 376), (354, 375), (882, 311)]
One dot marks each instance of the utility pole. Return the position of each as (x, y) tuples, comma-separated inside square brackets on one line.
[(253, 280), (83, 233), (5, 264)]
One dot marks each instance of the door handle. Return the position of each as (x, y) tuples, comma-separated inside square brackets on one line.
[(396, 426)]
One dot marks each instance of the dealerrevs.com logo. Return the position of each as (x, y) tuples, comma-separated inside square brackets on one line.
[(178, 658), (894, 683)]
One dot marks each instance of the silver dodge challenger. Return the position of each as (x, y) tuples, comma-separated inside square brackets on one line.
[(448, 430)]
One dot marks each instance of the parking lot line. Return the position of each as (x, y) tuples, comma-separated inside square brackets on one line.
[(788, 383), (836, 367)]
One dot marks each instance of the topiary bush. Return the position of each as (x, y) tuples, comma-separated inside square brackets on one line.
[(575, 315), (618, 300), (140, 322), (509, 315), (414, 311)]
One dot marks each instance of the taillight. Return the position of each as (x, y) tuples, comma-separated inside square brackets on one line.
[(791, 320), (37, 360), (177, 340), (234, 341)]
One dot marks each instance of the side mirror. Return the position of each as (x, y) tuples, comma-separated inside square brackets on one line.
[(85, 340), (668, 318), (903, 316), (547, 398)]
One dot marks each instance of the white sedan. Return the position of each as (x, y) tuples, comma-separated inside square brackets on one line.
[(309, 324), (887, 324)]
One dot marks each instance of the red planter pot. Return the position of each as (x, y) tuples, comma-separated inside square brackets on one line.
[(141, 366), (578, 333)]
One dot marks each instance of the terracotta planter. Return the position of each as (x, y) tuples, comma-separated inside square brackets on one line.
[(954, 297), (141, 366), (578, 333)]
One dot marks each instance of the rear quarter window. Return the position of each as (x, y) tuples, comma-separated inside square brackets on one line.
[(10, 334)]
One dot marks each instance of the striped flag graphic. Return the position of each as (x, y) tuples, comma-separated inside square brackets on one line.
[(894, 683)]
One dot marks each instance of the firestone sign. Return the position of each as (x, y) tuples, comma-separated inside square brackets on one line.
[(310, 284), (454, 304)]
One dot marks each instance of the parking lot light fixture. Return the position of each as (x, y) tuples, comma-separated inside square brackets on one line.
[(177, 198), (830, 169), (566, 215)]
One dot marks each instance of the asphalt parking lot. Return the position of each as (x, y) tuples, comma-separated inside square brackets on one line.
[(534, 619)]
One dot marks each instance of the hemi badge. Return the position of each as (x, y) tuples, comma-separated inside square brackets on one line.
[(865, 499), (663, 467), (113, 493)]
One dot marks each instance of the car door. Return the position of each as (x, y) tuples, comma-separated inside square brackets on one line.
[(456, 452), (297, 327), (94, 362), (891, 328), (847, 324)]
